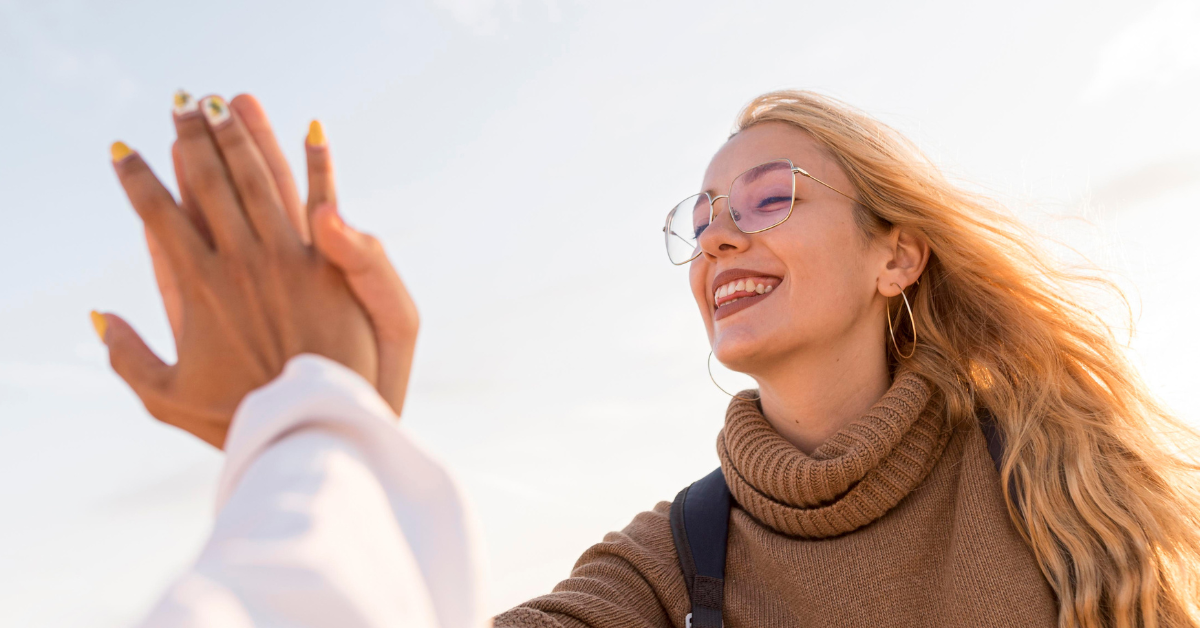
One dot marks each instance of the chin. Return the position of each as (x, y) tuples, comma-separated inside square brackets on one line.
[(740, 350)]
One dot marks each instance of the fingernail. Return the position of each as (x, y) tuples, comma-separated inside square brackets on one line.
[(215, 110), (184, 103), (119, 150), (316, 133), (100, 323)]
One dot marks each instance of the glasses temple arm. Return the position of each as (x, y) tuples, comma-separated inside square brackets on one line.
[(805, 173)]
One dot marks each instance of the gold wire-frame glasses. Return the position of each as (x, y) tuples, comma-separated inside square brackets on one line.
[(767, 176)]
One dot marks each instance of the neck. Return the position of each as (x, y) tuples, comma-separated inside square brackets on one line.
[(813, 394)]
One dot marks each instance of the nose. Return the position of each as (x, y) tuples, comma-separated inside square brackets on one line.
[(722, 233)]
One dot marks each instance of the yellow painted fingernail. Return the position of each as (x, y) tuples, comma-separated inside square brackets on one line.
[(184, 103), (316, 133), (119, 151), (215, 110), (100, 323)]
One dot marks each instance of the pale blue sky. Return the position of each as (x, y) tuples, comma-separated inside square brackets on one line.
[(517, 159)]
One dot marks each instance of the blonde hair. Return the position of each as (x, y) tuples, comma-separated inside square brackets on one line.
[(1111, 513)]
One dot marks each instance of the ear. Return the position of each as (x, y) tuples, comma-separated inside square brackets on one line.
[(906, 254)]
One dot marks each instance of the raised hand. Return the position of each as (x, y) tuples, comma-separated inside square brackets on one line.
[(251, 297), (361, 257)]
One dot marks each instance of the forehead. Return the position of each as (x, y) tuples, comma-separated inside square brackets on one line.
[(765, 142)]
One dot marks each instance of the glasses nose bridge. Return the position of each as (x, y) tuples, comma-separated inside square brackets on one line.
[(732, 214), (712, 202)]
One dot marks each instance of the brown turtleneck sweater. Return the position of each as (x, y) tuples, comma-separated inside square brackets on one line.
[(897, 520)]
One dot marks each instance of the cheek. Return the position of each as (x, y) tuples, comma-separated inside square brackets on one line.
[(831, 278), (698, 277)]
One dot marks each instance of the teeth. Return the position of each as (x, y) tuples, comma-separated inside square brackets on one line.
[(743, 285)]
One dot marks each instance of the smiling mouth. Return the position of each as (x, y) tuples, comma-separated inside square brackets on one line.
[(740, 294), (745, 287)]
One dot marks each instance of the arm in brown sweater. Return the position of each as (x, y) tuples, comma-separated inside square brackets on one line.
[(630, 580)]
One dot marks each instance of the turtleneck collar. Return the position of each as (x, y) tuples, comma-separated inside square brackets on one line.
[(851, 480)]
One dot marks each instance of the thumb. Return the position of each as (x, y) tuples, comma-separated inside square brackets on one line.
[(129, 356), (353, 252), (378, 287), (370, 274)]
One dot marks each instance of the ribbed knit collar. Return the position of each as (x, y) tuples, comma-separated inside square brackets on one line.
[(851, 480)]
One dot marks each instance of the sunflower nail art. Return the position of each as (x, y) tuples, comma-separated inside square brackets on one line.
[(184, 103), (215, 110)]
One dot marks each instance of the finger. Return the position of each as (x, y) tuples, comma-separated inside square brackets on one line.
[(255, 119), (133, 361), (158, 211), (382, 293), (251, 177), (167, 286), (146, 374), (321, 189), (208, 179), (187, 200)]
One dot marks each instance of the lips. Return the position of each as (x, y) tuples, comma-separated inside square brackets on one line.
[(739, 288), (743, 288), (738, 306)]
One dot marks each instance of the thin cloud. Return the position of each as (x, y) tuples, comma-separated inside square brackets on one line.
[(1145, 183), (1159, 49), (484, 17), (47, 58)]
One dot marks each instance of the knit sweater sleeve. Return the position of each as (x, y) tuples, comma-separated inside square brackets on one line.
[(631, 579)]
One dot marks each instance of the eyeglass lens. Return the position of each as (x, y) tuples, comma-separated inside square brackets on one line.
[(759, 199)]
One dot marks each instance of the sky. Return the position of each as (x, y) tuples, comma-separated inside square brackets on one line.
[(517, 159)]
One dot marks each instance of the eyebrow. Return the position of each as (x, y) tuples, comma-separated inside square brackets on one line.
[(751, 175)]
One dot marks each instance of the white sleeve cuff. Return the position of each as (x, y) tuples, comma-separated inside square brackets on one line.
[(427, 503), (312, 389)]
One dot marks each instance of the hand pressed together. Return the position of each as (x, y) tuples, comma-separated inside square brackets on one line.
[(245, 290)]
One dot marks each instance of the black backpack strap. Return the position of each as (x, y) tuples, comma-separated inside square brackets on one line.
[(700, 525), (995, 445)]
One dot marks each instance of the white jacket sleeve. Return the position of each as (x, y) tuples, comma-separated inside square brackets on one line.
[(328, 514)]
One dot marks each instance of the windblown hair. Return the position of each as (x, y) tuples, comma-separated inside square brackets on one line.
[(1100, 478)]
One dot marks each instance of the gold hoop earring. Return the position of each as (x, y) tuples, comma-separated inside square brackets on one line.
[(912, 320), (714, 381)]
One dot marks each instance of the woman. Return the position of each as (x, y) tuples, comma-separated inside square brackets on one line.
[(884, 313), (864, 490)]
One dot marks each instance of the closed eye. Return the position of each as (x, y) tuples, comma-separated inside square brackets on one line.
[(772, 200)]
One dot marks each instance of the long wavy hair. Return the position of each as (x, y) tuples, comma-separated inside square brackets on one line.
[(1100, 478)]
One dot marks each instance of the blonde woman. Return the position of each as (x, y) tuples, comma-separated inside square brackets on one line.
[(897, 327)]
